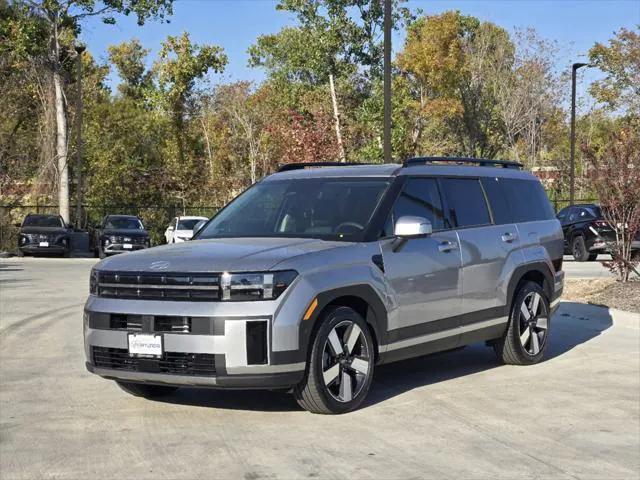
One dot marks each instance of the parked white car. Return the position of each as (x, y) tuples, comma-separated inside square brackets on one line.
[(181, 229)]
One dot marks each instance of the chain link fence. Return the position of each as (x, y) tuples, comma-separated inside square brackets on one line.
[(156, 218)]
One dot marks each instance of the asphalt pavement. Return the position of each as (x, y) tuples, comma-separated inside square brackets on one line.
[(585, 270), (453, 415)]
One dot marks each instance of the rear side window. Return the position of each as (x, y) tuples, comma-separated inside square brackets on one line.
[(527, 200), (420, 198), (465, 201), (497, 201)]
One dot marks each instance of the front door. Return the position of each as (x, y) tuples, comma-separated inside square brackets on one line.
[(424, 273)]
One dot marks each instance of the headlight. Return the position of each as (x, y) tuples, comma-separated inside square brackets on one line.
[(241, 287), (24, 239), (113, 239), (93, 282)]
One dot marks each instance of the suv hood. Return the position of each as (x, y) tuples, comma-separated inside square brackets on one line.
[(218, 255)]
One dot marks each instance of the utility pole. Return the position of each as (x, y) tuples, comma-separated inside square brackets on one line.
[(572, 140), (387, 82), (79, 187)]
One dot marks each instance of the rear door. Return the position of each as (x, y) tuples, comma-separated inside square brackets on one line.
[(424, 273), (486, 246)]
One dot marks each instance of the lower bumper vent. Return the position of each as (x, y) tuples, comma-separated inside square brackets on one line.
[(175, 363)]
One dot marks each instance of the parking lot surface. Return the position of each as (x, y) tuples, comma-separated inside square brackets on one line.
[(584, 270), (453, 415)]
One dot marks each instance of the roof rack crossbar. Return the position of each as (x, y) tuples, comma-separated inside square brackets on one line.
[(462, 160), (302, 165)]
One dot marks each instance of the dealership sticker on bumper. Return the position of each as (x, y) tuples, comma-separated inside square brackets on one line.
[(127, 246), (150, 345), (44, 244)]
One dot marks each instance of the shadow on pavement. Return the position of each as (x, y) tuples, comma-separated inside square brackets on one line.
[(574, 324)]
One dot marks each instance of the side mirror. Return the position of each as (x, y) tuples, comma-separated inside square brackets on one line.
[(198, 226), (170, 228), (412, 227)]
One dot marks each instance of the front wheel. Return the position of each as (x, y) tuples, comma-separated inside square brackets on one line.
[(145, 390), (340, 368), (527, 335)]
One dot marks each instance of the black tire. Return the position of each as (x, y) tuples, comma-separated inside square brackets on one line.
[(579, 249), (516, 347), (592, 257), (146, 390), (312, 393)]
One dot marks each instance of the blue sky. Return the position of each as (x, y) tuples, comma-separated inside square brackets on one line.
[(235, 24)]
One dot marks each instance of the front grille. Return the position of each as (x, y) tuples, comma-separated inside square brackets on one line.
[(176, 363), (126, 322), (168, 286), (172, 324)]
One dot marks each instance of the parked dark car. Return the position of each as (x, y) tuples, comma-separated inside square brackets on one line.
[(43, 234), (587, 233), (119, 234)]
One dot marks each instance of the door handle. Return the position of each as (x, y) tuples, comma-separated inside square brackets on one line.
[(447, 246), (508, 237)]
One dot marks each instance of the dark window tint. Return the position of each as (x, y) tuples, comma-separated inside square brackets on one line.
[(419, 198), (562, 214), (527, 200), (466, 203), (45, 221), (497, 201)]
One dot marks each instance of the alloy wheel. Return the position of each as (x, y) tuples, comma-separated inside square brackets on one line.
[(534, 323), (345, 361)]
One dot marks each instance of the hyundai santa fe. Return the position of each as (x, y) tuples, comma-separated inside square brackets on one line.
[(314, 276)]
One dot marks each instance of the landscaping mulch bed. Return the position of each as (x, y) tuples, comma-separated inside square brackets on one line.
[(606, 292)]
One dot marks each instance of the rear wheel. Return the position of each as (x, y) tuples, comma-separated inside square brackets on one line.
[(526, 338), (579, 249), (340, 368), (145, 390), (593, 256)]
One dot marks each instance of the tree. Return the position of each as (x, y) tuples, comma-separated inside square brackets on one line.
[(180, 64), (620, 62), (63, 21), (129, 60), (615, 175), (334, 39)]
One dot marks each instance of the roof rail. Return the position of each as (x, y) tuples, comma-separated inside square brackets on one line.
[(461, 160), (302, 165)]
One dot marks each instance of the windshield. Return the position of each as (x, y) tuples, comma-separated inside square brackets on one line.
[(188, 224), (123, 223), (43, 221), (325, 208)]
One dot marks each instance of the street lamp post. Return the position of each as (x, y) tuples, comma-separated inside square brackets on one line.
[(572, 164), (79, 187), (387, 82)]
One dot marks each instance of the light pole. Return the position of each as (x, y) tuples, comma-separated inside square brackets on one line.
[(387, 82), (572, 164), (79, 49)]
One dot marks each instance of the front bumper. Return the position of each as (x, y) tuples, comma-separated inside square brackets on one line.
[(225, 347), (34, 248), (266, 381), (115, 248)]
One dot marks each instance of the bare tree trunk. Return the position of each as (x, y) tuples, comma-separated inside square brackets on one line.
[(61, 147), (208, 143), (336, 118)]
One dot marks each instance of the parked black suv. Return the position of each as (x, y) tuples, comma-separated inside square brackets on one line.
[(43, 234), (118, 234), (586, 232)]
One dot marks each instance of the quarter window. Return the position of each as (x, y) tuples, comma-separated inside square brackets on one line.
[(528, 201), (465, 201)]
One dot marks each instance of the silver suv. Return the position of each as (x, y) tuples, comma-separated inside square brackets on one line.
[(313, 276)]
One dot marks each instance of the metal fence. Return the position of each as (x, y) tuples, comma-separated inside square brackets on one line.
[(156, 218)]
